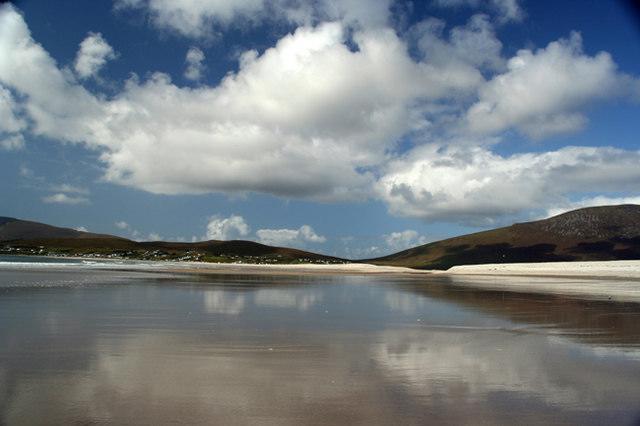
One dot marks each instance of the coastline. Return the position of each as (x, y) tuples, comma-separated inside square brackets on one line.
[(297, 269), (617, 281), (599, 280), (206, 268), (614, 270), (611, 269)]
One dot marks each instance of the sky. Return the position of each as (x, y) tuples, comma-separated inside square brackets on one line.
[(354, 128)]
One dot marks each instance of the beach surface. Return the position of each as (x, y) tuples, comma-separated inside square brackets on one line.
[(621, 269), (624, 270), (300, 269), (610, 280), (84, 344)]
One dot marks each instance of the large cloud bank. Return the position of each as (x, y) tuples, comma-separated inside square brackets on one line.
[(321, 114)]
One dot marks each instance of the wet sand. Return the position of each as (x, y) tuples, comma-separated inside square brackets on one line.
[(300, 269), (88, 346), (627, 269), (610, 280), (615, 280), (618, 269)]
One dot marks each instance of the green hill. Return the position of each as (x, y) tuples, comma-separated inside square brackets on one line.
[(596, 233), (26, 237)]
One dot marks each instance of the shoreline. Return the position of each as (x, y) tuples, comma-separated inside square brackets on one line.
[(297, 269), (597, 270), (599, 280), (614, 281), (206, 268), (610, 269)]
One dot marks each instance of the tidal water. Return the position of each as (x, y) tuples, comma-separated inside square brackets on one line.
[(88, 346)]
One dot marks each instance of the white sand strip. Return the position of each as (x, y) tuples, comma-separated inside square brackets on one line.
[(213, 268), (612, 280), (618, 290), (624, 269), (244, 268)]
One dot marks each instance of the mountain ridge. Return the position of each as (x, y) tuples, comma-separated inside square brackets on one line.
[(18, 229), (592, 233), (23, 236)]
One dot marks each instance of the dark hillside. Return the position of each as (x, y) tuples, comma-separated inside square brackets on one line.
[(595, 233), (25, 237)]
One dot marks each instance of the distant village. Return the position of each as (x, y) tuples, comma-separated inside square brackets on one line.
[(161, 255)]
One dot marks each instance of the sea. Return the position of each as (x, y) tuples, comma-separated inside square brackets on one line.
[(84, 342)]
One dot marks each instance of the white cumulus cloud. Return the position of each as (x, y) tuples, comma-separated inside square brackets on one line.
[(93, 54), (194, 61), (61, 198), (68, 188), (203, 18), (195, 18), (506, 10), (12, 142), (402, 240), (288, 237), (58, 107), (122, 225), (9, 120), (475, 185), (324, 114), (304, 119), (227, 228), (542, 92), (67, 194), (472, 45)]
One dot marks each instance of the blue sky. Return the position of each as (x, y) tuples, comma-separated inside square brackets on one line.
[(355, 128)]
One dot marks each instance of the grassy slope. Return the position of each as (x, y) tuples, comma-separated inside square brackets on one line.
[(26, 234), (212, 250), (601, 233), (13, 229)]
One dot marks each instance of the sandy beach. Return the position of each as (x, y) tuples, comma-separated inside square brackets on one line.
[(87, 343), (611, 280), (300, 269), (626, 270), (622, 269), (213, 268)]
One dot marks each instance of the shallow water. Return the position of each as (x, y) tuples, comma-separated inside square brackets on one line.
[(90, 347)]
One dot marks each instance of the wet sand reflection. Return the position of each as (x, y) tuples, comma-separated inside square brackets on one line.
[(340, 350)]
